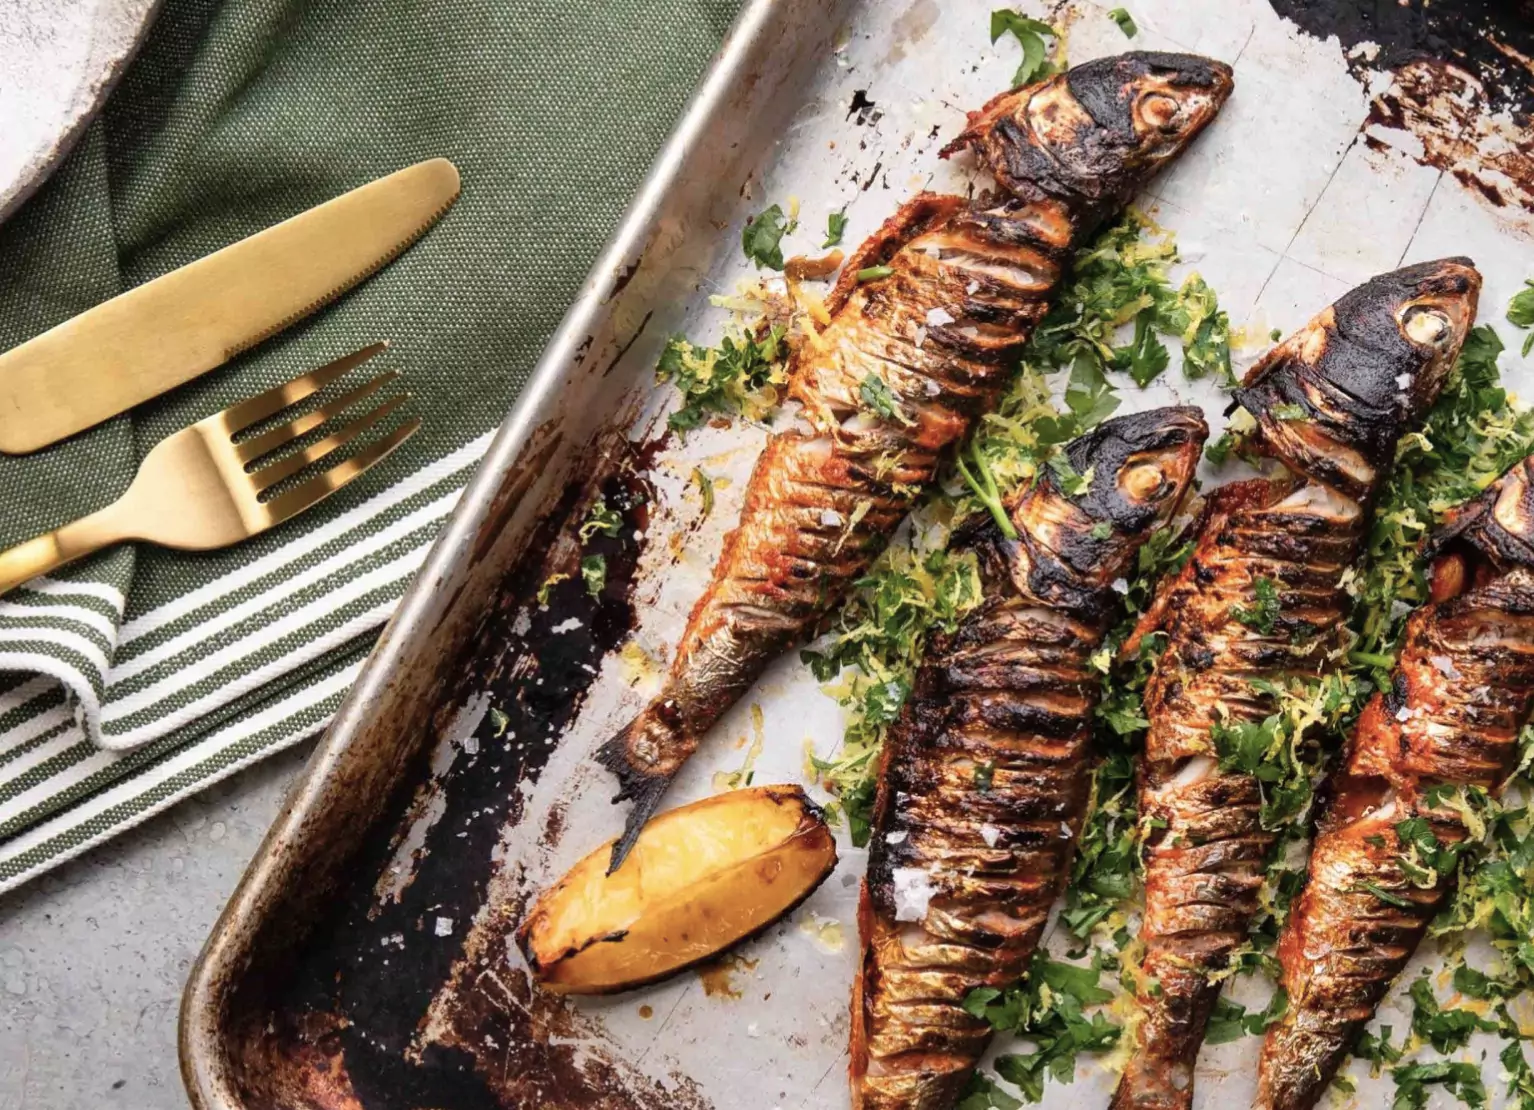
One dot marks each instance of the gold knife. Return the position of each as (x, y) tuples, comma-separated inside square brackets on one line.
[(170, 330)]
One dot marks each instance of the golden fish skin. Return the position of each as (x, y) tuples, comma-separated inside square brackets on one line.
[(1461, 692), (1330, 403), (937, 339), (985, 776)]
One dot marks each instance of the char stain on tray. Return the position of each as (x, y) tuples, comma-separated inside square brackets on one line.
[(1463, 81), (345, 1029)]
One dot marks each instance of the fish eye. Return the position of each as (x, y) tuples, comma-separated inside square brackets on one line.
[(1427, 325), (1144, 482), (1160, 110)]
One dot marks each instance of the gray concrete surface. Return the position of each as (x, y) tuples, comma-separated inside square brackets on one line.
[(93, 955)]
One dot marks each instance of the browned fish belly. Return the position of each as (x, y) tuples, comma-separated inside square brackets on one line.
[(985, 776), (1330, 403), (902, 371), (1462, 690)]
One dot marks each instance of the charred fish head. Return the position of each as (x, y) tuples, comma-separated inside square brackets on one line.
[(1332, 400), (1093, 134), (1495, 529), (1075, 539)]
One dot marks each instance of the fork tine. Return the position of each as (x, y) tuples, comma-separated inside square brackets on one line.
[(318, 488), (286, 467), (236, 418), (267, 442)]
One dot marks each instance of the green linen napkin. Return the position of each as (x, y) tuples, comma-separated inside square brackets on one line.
[(235, 115)]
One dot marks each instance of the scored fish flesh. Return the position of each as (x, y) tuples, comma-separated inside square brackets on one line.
[(908, 362), (1462, 690), (1262, 599), (984, 778)]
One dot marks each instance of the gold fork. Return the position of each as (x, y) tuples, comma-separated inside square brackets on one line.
[(196, 489)]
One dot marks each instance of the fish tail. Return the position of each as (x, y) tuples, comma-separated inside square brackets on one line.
[(644, 757), (1159, 1074), (1300, 1055)]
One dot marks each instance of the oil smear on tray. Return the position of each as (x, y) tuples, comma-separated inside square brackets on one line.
[(1461, 82)]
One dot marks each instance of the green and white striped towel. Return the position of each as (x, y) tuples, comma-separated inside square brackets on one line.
[(137, 677)]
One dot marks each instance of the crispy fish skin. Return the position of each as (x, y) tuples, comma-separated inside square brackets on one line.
[(1329, 403), (984, 778), (903, 370), (1461, 691)]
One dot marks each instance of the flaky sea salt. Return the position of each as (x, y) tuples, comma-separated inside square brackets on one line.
[(937, 317), (444, 927), (913, 893), (990, 834)]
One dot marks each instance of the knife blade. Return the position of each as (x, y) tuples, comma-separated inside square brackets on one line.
[(169, 330)]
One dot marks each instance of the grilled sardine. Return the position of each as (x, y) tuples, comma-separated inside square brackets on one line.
[(1262, 599), (1462, 689), (984, 778), (906, 365)]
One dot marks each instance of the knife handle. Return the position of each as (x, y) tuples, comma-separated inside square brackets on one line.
[(52, 550)]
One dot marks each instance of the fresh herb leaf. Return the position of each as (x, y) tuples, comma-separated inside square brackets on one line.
[(1030, 36), (1230, 1021), (878, 397), (1289, 412), (601, 519), (1125, 21), (984, 1094), (499, 721), (1146, 356), (762, 239), (1101, 530), (594, 573), (1520, 310), (1459, 1079), (983, 775), (1066, 479), (1263, 616), (1446, 1030), (836, 225), (874, 273)]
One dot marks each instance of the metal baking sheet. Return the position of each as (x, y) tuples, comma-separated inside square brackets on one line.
[(365, 960)]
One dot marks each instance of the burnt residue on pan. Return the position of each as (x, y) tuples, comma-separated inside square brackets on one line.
[(1463, 81), (339, 1028)]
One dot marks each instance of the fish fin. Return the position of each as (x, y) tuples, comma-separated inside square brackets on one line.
[(638, 782)]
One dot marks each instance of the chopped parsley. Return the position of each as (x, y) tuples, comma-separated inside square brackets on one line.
[(743, 375), (1069, 482), (1230, 1021), (836, 225), (1125, 21), (594, 573), (1121, 279), (762, 239), (879, 398), (1263, 616), (1029, 34), (874, 273), (1460, 1079), (1050, 1009)]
